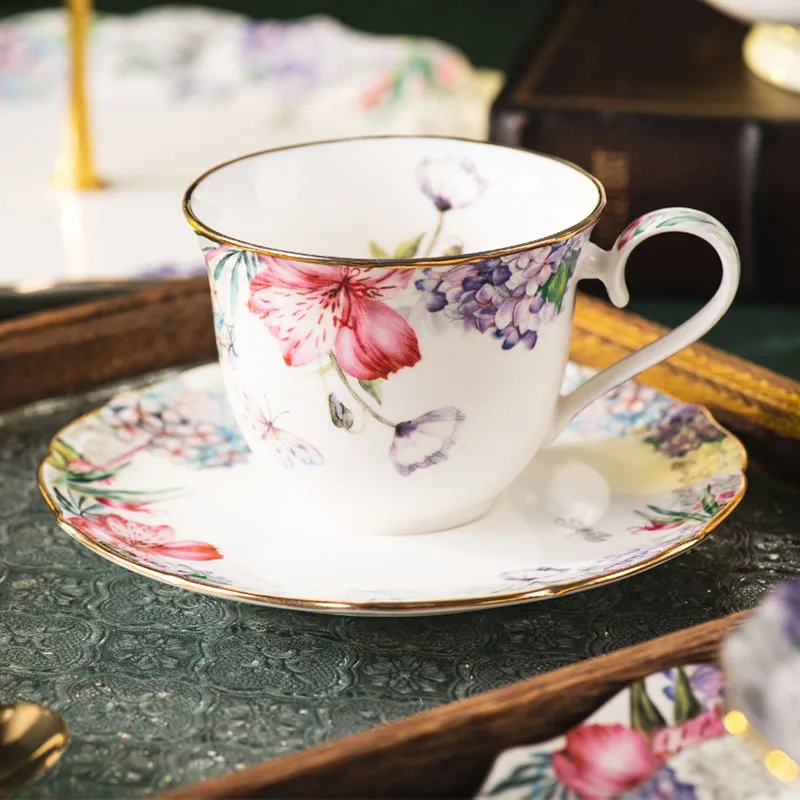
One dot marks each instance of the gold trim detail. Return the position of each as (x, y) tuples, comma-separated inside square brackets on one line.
[(413, 263), (461, 604)]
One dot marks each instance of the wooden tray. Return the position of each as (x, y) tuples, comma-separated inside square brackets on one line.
[(445, 752)]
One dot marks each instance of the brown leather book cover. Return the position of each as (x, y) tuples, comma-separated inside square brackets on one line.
[(655, 99)]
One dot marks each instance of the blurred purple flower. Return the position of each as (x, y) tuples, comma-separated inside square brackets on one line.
[(171, 271), (786, 597), (682, 431), (706, 681)]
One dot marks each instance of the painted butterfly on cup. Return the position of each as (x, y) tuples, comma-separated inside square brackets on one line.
[(286, 448)]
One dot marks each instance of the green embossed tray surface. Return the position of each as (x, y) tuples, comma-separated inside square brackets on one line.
[(162, 688)]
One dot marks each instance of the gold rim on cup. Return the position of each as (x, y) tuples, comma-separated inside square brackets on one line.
[(407, 263)]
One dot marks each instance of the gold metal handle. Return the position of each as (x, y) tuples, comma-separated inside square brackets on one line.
[(75, 167)]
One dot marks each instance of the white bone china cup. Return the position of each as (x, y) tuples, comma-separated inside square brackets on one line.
[(393, 317)]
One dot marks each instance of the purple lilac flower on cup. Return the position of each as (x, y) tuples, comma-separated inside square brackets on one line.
[(511, 297)]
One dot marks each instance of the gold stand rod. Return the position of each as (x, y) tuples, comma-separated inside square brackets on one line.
[(75, 167)]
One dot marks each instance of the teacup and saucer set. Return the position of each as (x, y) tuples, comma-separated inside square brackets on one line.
[(393, 426)]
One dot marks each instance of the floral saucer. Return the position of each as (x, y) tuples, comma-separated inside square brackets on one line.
[(160, 481)]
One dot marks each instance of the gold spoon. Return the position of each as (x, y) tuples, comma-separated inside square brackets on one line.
[(32, 739)]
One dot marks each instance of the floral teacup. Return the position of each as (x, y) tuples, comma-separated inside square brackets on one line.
[(393, 317)]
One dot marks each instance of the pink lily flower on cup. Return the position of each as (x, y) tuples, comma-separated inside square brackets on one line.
[(602, 761), (142, 540), (339, 313), (315, 311)]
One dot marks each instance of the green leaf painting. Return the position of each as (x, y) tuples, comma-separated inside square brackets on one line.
[(373, 388), (409, 247), (555, 288), (687, 706), (377, 251), (645, 716)]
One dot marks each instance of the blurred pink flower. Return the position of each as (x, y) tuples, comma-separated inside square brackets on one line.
[(80, 465), (638, 226), (123, 506), (667, 742), (657, 525), (602, 761)]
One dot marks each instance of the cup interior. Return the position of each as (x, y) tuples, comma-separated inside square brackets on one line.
[(332, 199)]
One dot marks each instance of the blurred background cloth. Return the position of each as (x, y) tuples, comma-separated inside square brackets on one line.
[(175, 90), (173, 85), (488, 33)]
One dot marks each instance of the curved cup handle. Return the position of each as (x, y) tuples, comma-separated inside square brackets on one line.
[(609, 267)]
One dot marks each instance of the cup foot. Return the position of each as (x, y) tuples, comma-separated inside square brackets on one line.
[(429, 523)]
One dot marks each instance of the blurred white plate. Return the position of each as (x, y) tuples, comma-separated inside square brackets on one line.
[(175, 91)]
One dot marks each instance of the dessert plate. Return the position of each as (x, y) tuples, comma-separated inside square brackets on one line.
[(159, 481)]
